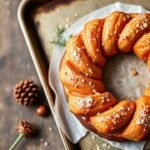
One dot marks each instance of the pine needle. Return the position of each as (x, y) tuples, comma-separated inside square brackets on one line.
[(58, 38)]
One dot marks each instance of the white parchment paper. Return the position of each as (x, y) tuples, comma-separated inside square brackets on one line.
[(66, 120)]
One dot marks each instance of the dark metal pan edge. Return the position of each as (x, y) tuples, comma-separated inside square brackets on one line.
[(41, 67)]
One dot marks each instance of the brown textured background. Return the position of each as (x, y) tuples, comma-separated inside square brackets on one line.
[(16, 65)]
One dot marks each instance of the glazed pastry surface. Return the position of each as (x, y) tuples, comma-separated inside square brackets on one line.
[(81, 75)]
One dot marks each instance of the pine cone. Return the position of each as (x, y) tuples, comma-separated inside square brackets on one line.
[(26, 92), (26, 128)]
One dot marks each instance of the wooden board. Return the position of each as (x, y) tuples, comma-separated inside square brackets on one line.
[(15, 65)]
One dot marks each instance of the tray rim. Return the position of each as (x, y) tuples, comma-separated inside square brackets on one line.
[(40, 71)]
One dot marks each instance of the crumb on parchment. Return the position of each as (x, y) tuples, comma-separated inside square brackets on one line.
[(134, 72)]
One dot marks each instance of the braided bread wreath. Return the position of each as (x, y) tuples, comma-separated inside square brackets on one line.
[(81, 76)]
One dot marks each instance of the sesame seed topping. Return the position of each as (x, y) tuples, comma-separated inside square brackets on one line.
[(97, 50), (87, 74), (90, 83), (76, 56), (116, 117), (145, 25), (90, 70), (82, 80)]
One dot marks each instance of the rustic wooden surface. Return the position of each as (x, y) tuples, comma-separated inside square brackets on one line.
[(16, 65)]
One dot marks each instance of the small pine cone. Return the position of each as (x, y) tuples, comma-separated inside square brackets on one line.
[(26, 128), (26, 92)]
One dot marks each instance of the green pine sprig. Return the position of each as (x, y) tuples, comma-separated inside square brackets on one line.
[(58, 39)]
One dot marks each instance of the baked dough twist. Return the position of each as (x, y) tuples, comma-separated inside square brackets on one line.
[(81, 76)]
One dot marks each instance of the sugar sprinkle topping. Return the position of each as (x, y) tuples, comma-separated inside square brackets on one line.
[(144, 117), (85, 102), (117, 116)]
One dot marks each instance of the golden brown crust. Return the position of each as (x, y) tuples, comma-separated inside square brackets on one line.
[(114, 119), (79, 58), (139, 127), (113, 25), (133, 31), (147, 92), (82, 105), (148, 62), (142, 46), (91, 36), (81, 75), (77, 82)]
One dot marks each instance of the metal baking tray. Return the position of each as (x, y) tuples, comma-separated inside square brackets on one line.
[(38, 19)]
